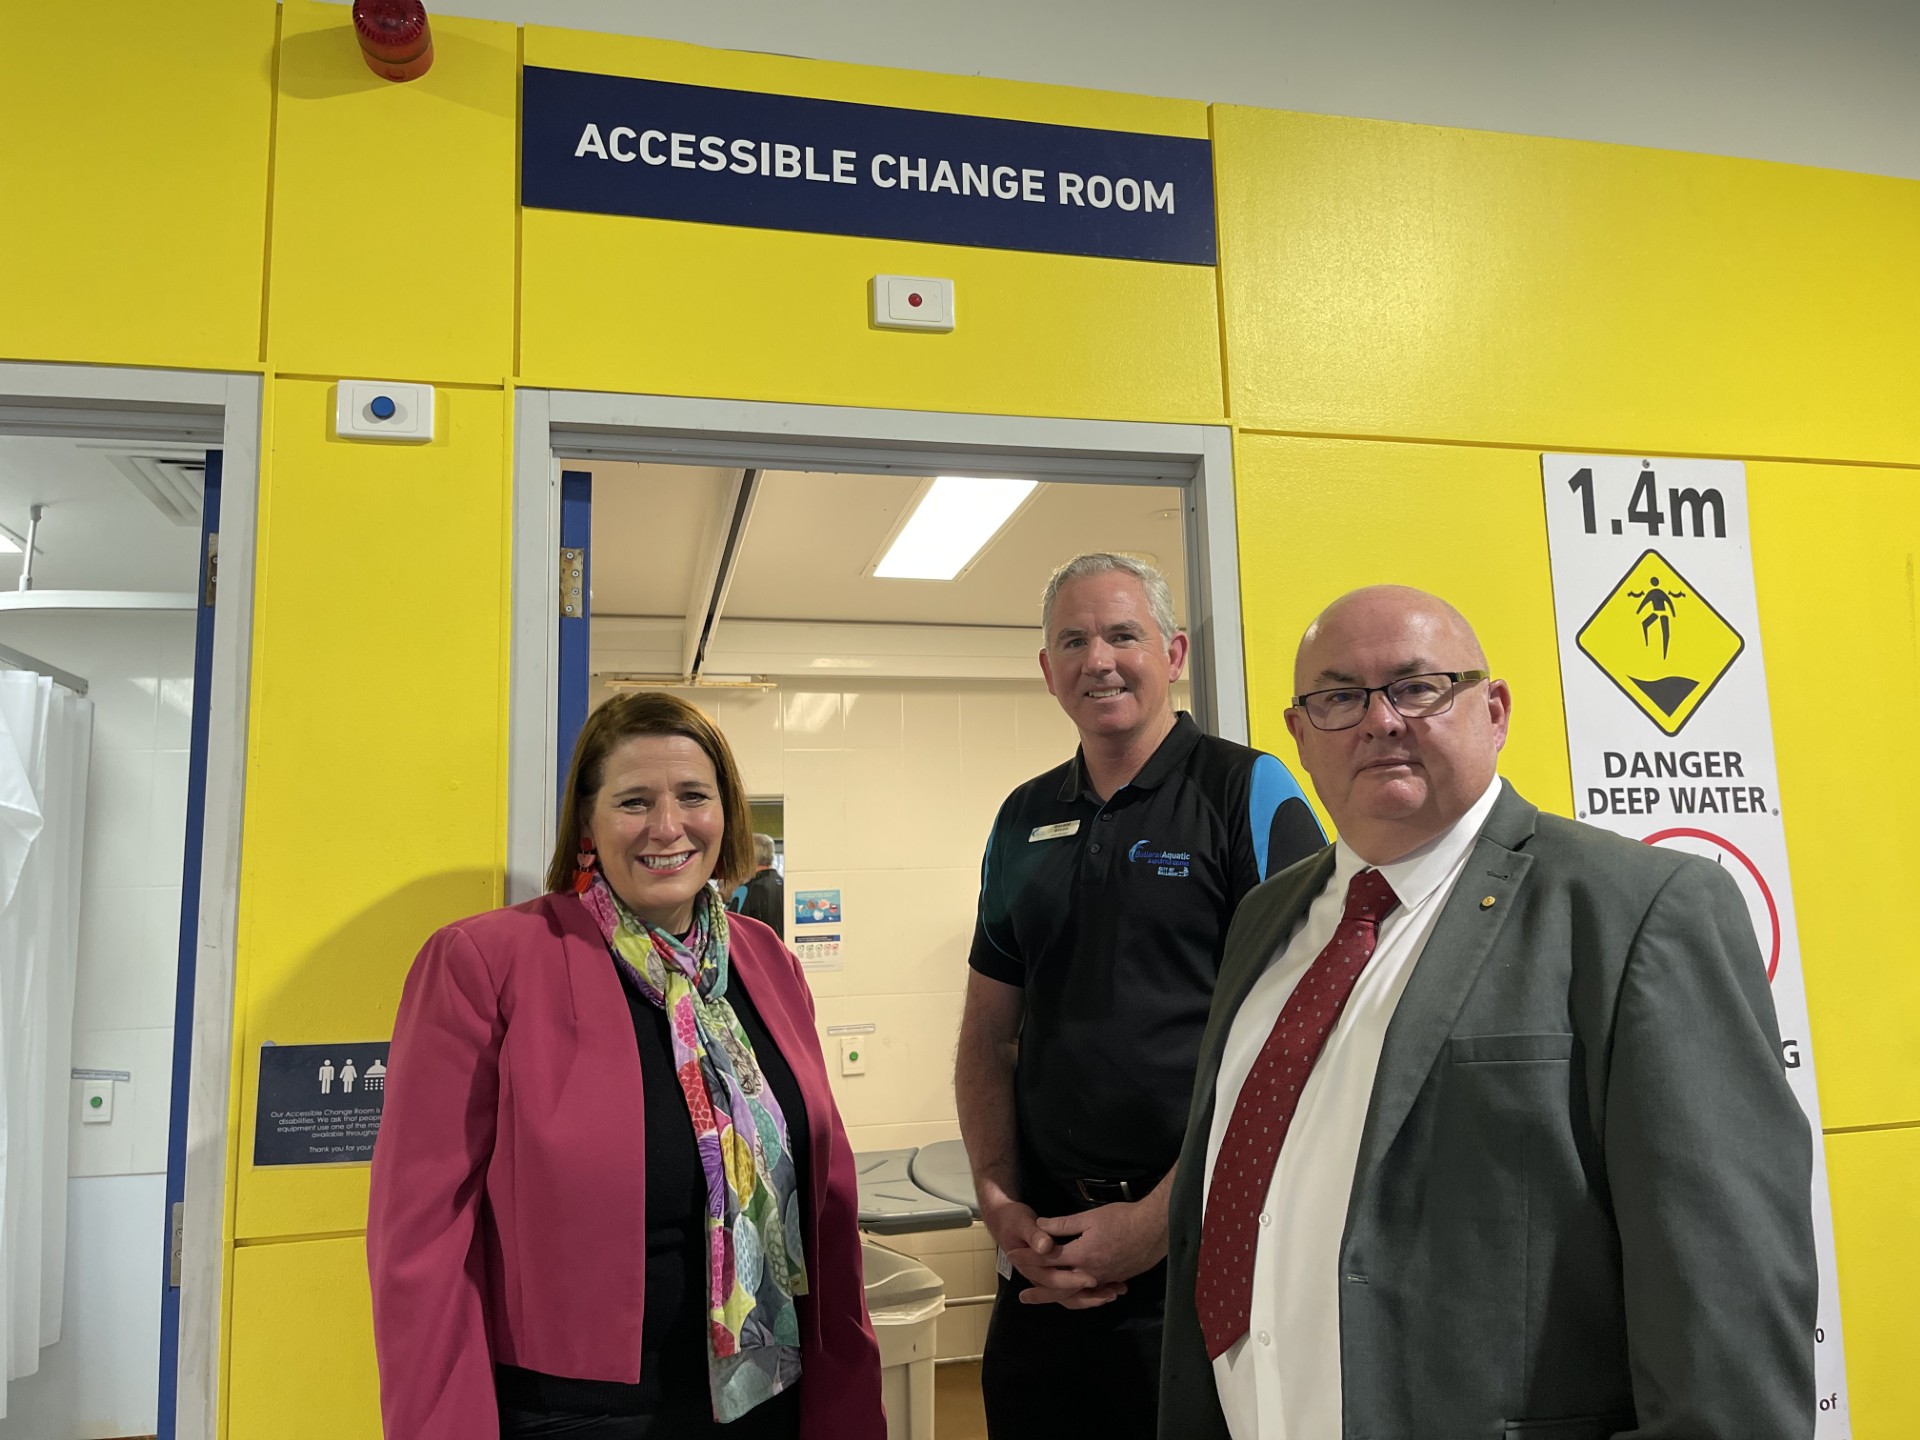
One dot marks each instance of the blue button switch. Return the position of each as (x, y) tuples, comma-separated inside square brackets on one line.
[(382, 407)]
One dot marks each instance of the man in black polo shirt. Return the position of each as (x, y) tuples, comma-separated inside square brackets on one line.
[(1104, 901)]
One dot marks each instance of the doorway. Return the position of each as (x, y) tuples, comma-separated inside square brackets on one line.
[(555, 430), (888, 718), (133, 583)]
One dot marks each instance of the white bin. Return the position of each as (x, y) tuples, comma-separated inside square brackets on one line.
[(905, 1299)]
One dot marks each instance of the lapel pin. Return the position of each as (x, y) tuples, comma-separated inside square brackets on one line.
[(1486, 902)]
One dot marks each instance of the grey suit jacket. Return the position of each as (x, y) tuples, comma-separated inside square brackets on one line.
[(1582, 1203)]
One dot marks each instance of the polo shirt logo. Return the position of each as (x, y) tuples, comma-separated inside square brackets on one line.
[(1173, 863)]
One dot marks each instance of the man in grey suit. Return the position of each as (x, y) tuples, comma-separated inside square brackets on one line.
[(1491, 1137)]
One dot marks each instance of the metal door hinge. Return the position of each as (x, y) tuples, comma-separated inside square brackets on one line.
[(573, 583), (177, 1223), (213, 568)]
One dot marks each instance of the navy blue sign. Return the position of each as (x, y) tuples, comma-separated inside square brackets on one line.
[(610, 145), (319, 1104)]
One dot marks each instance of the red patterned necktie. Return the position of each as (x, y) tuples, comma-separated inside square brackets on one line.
[(1243, 1172)]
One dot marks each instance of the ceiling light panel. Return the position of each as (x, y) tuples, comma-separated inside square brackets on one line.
[(954, 521)]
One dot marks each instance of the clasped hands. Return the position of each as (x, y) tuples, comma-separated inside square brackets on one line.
[(1082, 1260)]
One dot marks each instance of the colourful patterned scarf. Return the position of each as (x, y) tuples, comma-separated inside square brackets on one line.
[(756, 1264)]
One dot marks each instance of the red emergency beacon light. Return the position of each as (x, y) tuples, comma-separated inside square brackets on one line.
[(395, 40)]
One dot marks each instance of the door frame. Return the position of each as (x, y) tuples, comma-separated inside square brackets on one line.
[(555, 425), (223, 410)]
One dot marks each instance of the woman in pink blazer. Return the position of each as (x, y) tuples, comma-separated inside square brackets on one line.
[(612, 1198)]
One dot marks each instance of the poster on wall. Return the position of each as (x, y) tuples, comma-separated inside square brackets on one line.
[(816, 907), (816, 929), (818, 952), (1670, 735)]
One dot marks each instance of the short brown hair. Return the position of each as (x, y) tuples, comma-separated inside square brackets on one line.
[(650, 712), (1101, 562)]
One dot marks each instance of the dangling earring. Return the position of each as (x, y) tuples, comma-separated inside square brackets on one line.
[(584, 864)]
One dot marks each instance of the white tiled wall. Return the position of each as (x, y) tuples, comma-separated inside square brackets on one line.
[(100, 1379), (890, 788), (138, 667)]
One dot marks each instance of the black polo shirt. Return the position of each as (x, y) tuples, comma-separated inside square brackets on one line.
[(1112, 918)]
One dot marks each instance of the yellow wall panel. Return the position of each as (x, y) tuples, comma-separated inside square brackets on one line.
[(1874, 1177), (614, 302), (302, 1358), (393, 205), (1380, 282), (1406, 280), (664, 307), (133, 181), (376, 778), (1833, 559), (1321, 517)]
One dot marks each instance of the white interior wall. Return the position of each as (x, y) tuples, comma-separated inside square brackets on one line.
[(890, 788), (1812, 82), (101, 1378)]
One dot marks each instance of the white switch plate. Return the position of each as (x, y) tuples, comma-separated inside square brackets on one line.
[(96, 1102), (357, 404), (912, 302), (853, 1054)]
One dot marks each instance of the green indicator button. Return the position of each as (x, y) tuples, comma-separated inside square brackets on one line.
[(97, 1101)]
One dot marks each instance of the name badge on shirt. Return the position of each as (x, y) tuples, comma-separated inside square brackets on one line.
[(1054, 832)]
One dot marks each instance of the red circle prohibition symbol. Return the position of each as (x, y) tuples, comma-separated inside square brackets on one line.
[(1773, 911)]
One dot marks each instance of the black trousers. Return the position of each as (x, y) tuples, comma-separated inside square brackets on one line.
[(524, 1415), (1050, 1373)]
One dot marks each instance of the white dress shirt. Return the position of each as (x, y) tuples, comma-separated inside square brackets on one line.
[(1281, 1381)]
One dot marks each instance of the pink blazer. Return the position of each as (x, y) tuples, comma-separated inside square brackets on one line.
[(507, 1222)]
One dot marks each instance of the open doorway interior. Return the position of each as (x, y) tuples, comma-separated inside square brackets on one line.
[(111, 574), (887, 717)]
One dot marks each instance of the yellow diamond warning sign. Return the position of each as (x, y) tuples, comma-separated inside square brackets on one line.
[(1661, 642)]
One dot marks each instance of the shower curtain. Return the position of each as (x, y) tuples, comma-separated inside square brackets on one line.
[(46, 735)]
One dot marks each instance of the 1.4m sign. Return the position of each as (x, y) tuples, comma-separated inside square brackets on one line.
[(1660, 632)]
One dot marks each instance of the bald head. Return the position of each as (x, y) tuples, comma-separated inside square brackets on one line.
[(1367, 608), (1393, 782)]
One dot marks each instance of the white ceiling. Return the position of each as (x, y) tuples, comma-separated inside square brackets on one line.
[(649, 534), (1810, 82), (811, 538), (99, 531)]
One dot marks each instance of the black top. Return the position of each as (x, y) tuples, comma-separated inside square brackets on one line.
[(1113, 918), (673, 1332)]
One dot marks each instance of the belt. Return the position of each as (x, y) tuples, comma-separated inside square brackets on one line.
[(1103, 1192)]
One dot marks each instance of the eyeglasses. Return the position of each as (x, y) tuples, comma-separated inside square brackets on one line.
[(1417, 697)]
